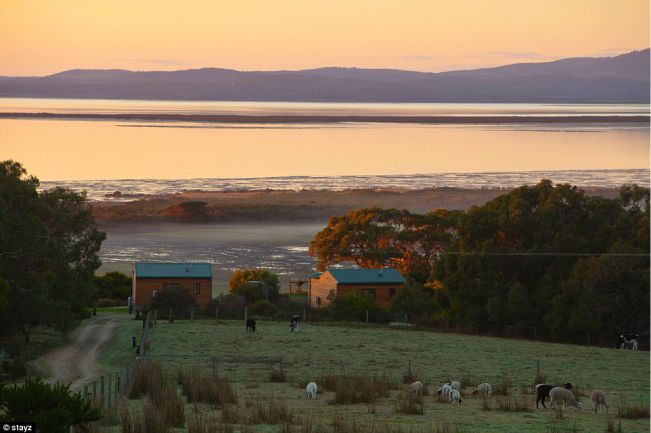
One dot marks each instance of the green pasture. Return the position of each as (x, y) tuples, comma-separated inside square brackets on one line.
[(383, 350)]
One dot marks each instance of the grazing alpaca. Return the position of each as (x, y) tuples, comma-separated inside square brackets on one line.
[(250, 325), (293, 324), (542, 392)]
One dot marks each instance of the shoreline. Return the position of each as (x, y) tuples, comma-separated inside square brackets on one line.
[(287, 206), (304, 119)]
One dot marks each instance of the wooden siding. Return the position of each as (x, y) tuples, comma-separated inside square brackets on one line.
[(322, 286), (143, 289)]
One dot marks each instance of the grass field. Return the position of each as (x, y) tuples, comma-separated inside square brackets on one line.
[(319, 349)]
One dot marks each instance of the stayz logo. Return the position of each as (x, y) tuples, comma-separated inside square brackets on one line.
[(18, 427)]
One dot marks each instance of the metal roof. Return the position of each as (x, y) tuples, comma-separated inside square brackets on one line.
[(367, 276), (173, 270), (315, 275)]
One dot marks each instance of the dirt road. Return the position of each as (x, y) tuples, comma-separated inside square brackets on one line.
[(76, 363)]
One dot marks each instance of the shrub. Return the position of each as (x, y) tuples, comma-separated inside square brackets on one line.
[(113, 285), (263, 308), (104, 303), (52, 407)]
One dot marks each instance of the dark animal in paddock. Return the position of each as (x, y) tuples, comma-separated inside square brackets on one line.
[(293, 324), (250, 325), (626, 339), (542, 392)]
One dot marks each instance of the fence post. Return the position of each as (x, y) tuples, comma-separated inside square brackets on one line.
[(171, 319), (216, 312), (86, 392), (246, 314), (101, 389), (304, 315), (366, 316), (214, 366), (537, 370), (535, 333), (95, 390), (110, 390), (118, 390)]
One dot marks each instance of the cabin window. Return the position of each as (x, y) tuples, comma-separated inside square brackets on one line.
[(369, 292), (392, 292), (318, 300), (196, 288)]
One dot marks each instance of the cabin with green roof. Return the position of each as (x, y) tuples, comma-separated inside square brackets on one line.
[(150, 278), (383, 285)]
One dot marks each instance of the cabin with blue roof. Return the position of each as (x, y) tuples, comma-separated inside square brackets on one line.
[(383, 285), (150, 278)]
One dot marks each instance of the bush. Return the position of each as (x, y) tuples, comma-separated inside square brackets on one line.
[(52, 407), (263, 308), (205, 389), (104, 303)]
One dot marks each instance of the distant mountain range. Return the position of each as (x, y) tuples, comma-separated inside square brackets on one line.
[(619, 79)]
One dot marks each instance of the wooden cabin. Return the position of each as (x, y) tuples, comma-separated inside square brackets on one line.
[(381, 284), (149, 278)]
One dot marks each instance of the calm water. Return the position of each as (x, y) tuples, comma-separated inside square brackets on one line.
[(107, 106)]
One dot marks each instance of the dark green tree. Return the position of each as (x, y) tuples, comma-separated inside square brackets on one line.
[(48, 251)]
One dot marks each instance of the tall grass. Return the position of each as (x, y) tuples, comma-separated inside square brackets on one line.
[(271, 412), (169, 405), (508, 404), (409, 403), (503, 387), (231, 414), (207, 389), (278, 376), (351, 425), (357, 388), (148, 378), (610, 426), (633, 410), (154, 419)]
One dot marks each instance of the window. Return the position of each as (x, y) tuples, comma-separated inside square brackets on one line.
[(369, 292), (392, 292), (196, 288), (318, 300), (170, 285)]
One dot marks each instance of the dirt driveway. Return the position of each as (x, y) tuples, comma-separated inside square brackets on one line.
[(76, 363)]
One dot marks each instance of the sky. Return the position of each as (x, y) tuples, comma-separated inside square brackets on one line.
[(39, 37)]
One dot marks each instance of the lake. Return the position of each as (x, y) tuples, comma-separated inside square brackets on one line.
[(107, 149)]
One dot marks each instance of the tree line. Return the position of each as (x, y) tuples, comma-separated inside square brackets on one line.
[(572, 266)]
